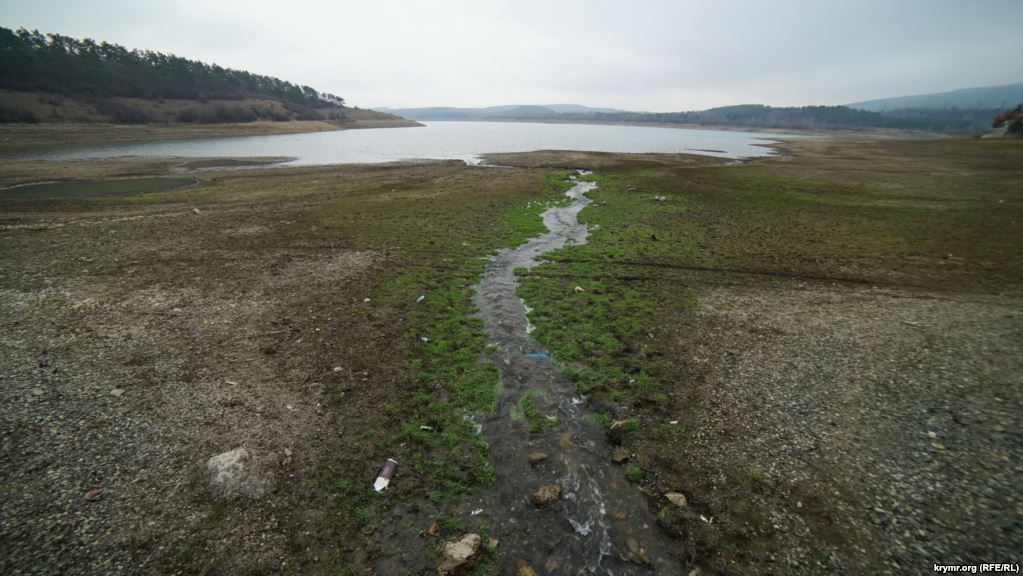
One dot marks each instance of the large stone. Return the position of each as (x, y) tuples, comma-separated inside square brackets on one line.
[(460, 555), (242, 472)]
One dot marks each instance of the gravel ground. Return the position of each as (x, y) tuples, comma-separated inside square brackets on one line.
[(124, 373), (879, 429)]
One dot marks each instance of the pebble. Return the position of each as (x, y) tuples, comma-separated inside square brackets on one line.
[(547, 494), (677, 498), (536, 457), (434, 529), (460, 555)]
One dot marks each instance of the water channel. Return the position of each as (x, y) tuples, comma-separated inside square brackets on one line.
[(601, 524)]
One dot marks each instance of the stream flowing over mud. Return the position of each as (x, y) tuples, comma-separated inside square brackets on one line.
[(600, 524)]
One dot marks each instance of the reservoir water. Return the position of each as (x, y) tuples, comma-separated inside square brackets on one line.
[(440, 140)]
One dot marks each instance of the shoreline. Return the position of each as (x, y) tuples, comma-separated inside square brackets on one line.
[(23, 138)]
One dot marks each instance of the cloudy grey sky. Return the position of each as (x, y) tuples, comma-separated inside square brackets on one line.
[(657, 55)]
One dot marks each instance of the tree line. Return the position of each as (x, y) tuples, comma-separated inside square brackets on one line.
[(950, 120), (53, 63)]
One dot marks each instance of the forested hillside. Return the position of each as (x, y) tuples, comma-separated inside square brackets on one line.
[(96, 81), (947, 120), (811, 118)]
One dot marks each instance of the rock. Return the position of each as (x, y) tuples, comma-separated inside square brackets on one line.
[(937, 446), (547, 494), (639, 554), (460, 555), (93, 495), (536, 458), (242, 472), (38, 391), (522, 568), (616, 432), (434, 529), (196, 211), (676, 498), (619, 455), (117, 392)]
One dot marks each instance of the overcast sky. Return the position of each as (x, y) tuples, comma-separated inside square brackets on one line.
[(632, 54)]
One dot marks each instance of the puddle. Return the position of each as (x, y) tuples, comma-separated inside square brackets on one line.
[(601, 524), (90, 188)]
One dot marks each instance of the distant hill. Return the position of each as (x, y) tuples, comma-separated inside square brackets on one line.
[(55, 78), (951, 121), (508, 112), (987, 98)]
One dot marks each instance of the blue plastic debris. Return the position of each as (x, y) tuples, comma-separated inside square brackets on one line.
[(544, 355)]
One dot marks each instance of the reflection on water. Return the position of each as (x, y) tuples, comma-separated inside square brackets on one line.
[(441, 140)]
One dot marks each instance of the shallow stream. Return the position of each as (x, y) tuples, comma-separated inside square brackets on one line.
[(601, 524)]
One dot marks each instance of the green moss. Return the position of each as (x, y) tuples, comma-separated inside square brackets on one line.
[(634, 474)]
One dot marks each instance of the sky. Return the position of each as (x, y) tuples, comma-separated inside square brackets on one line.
[(655, 55)]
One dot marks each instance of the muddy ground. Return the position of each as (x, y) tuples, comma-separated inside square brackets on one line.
[(821, 351)]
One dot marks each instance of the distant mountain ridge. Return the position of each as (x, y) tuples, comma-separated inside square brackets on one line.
[(966, 111), (985, 97), (507, 112)]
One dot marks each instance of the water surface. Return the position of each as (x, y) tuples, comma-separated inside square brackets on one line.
[(88, 188), (440, 140)]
